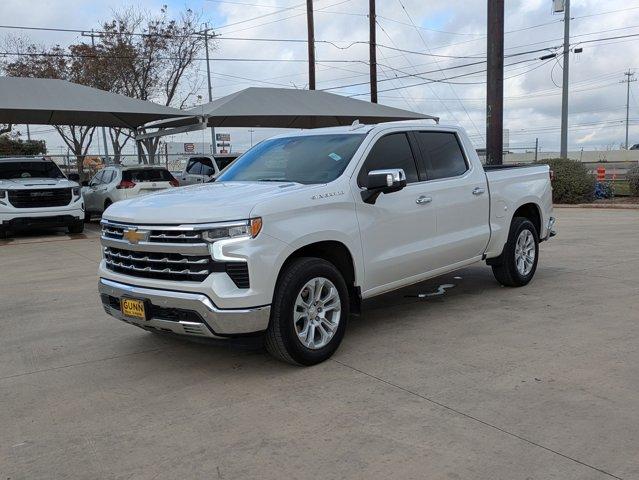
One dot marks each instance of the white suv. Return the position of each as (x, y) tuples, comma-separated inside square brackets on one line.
[(35, 193), (115, 183)]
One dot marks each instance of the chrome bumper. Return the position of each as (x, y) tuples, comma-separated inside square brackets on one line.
[(212, 322)]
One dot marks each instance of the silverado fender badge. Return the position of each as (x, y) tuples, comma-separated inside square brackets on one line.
[(327, 195)]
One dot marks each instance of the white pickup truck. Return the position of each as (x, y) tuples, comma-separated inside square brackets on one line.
[(291, 238)]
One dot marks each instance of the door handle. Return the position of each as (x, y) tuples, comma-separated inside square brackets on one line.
[(423, 200), (478, 191)]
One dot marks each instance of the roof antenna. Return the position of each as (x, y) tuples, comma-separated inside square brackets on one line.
[(355, 125)]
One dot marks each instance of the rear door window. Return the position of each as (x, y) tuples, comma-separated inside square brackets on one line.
[(390, 151), (442, 154)]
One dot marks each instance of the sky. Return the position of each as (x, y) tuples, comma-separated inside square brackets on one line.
[(414, 36)]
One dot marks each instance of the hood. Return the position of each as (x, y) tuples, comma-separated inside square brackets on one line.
[(30, 183), (211, 202)]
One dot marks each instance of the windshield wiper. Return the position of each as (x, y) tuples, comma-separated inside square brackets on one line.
[(273, 180)]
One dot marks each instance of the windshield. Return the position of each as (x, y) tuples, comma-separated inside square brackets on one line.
[(306, 159), (21, 169)]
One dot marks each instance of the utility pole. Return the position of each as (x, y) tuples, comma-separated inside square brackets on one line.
[(208, 77), (564, 91), (29, 134), (104, 138), (630, 78), (495, 84), (311, 44), (372, 23)]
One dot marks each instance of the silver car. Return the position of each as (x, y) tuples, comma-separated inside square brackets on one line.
[(115, 183)]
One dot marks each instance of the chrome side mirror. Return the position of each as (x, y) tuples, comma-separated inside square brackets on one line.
[(383, 181)]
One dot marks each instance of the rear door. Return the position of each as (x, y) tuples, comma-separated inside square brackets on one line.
[(460, 197)]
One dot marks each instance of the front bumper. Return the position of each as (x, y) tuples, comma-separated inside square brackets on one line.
[(183, 313), (29, 218)]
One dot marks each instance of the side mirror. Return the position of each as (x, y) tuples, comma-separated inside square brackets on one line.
[(74, 177), (383, 181), (85, 183)]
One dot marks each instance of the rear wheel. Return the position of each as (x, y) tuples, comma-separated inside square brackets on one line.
[(517, 264), (4, 233), (309, 312), (87, 216)]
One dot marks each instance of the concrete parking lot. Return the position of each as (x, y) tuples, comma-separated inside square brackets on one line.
[(480, 382)]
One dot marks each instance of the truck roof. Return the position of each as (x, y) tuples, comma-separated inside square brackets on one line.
[(366, 128)]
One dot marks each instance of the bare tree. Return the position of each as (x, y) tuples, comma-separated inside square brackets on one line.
[(153, 56)]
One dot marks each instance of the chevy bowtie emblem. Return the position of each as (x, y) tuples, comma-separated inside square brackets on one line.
[(134, 236)]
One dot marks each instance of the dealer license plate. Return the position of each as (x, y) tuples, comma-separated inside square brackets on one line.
[(133, 308)]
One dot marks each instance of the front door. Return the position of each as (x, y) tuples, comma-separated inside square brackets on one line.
[(397, 230)]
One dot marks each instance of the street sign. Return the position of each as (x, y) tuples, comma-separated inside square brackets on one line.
[(223, 137), (189, 147)]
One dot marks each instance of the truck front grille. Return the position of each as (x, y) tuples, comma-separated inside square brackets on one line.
[(116, 232), (163, 266), (165, 253), (45, 197)]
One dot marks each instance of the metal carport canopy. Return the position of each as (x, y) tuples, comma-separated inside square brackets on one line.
[(284, 108), (46, 101)]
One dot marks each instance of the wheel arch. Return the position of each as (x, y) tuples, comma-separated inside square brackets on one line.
[(336, 253), (532, 212)]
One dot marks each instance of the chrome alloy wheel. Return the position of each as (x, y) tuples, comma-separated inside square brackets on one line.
[(317, 312), (525, 252)]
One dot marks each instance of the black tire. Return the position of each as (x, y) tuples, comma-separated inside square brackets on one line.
[(107, 204), (281, 339), (87, 216), (4, 233), (77, 227), (505, 267)]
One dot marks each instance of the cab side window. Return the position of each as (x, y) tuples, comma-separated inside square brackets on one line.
[(442, 154), (390, 151), (194, 167)]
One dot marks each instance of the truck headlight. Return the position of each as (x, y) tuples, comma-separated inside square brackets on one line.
[(3, 193), (244, 229), (76, 191)]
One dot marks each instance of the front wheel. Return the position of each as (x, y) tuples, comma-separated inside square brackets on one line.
[(309, 312), (77, 227), (517, 264)]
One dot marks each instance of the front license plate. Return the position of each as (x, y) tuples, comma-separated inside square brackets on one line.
[(133, 308)]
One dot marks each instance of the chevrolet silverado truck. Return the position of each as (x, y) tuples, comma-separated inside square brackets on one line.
[(302, 228), (35, 193)]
